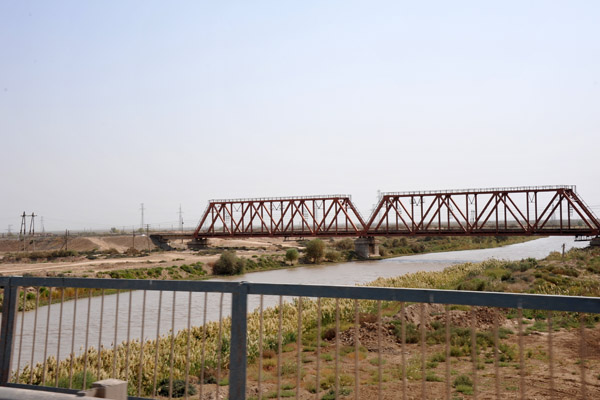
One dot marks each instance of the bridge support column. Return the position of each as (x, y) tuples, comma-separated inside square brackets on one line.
[(595, 242), (197, 243), (366, 247)]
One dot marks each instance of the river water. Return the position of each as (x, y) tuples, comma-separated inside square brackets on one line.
[(351, 273)]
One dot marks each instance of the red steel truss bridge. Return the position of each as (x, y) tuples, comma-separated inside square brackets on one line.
[(537, 210)]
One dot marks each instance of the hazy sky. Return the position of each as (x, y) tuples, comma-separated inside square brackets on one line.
[(108, 104)]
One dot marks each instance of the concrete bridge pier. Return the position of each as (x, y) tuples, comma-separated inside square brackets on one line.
[(366, 247), (595, 241), (198, 244)]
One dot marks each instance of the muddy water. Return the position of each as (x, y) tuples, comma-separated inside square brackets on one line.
[(116, 312)]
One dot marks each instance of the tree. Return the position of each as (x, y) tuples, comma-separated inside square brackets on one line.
[(315, 249), (229, 264), (291, 255)]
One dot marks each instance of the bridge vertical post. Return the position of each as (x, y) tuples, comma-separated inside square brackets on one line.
[(9, 312), (239, 343)]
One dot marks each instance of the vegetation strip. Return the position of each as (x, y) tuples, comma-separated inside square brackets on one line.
[(577, 274)]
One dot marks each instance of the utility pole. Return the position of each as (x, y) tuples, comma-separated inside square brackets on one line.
[(43, 228), (133, 239), (148, 235), (142, 209), (181, 221), (32, 229), (32, 224), (23, 229), (66, 240)]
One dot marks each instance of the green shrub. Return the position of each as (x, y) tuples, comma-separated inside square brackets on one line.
[(291, 255), (178, 388), (332, 255), (463, 380), (315, 249), (229, 264), (344, 244)]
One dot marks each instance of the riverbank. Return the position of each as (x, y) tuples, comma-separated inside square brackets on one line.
[(577, 274), (199, 265)]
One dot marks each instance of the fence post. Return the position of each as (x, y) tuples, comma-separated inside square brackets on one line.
[(238, 355), (9, 312)]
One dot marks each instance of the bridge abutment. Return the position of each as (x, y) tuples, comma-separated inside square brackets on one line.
[(160, 242), (595, 242), (366, 247)]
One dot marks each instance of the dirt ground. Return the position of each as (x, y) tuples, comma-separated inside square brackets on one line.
[(78, 266)]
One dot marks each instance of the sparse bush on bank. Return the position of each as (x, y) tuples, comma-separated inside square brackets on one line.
[(291, 255), (315, 250), (39, 255), (229, 264)]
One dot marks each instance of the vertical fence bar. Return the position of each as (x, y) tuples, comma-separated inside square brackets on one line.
[(72, 356), (203, 351), (12, 345), (46, 337), (356, 350), (100, 334), (260, 346), (128, 350), (60, 318), (87, 335), (318, 372), (447, 312), (422, 340), (188, 343), (142, 341), (114, 366), (299, 349), (9, 313), (379, 360), (521, 355), (172, 352), (21, 336), (237, 357), (337, 347), (496, 354), (35, 318), (157, 347), (220, 345), (403, 351), (474, 351), (582, 346), (551, 355), (279, 347)]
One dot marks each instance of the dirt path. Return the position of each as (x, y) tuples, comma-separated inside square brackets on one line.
[(82, 266)]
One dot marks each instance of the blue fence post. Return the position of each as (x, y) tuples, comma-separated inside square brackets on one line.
[(239, 344), (9, 312)]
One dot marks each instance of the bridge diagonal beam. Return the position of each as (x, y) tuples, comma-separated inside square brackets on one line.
[(503, 200), (445, 201)]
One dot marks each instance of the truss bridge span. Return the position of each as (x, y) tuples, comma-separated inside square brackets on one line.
[(533, 210)]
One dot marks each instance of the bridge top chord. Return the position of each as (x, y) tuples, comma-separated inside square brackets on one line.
[(515, 189)]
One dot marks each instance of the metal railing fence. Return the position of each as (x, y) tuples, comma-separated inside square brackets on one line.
[(316, 335)]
